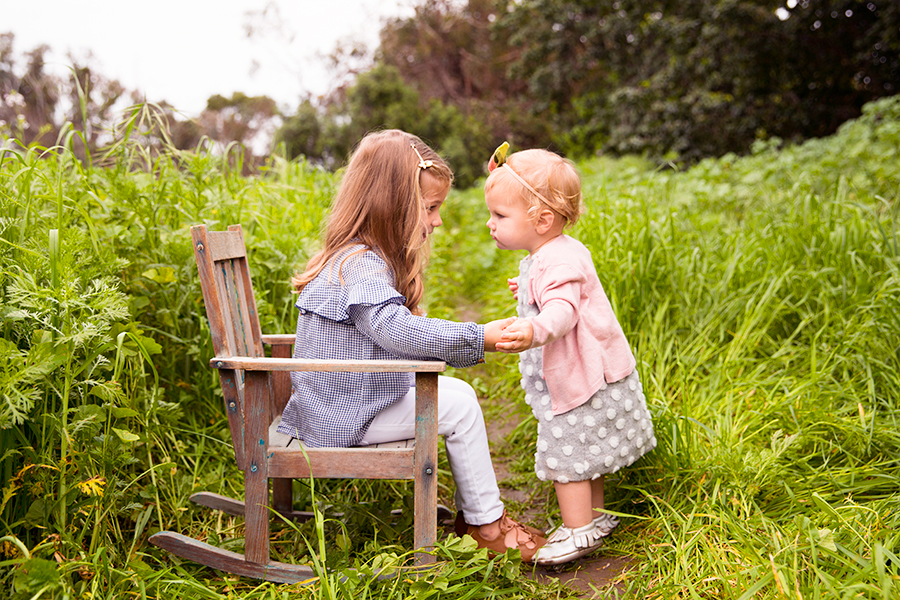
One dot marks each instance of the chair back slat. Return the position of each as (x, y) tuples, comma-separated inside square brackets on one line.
[(225, 245), (238, 336)]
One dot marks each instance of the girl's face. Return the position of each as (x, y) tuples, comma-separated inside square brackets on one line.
[(434, 193), (510, 225)]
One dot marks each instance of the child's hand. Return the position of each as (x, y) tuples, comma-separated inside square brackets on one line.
[(493, 331), (514, 286), (516, 337)]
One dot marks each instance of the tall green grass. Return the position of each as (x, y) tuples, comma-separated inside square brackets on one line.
[(760, 294)]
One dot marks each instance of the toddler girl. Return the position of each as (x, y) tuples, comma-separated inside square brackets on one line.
[(578, 370), (359, 299)]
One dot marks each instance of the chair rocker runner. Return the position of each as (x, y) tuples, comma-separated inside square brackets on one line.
[(255, 389)]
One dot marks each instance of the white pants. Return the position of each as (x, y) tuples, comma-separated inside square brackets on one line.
[(461, 423)]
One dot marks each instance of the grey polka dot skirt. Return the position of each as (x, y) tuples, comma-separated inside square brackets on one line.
[(610, 431)]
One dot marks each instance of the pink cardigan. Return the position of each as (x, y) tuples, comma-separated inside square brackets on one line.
[(584, 347)]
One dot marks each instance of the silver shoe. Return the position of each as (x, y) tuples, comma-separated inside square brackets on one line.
[(606, 523), (568, 544)]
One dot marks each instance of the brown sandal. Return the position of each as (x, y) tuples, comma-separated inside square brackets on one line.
[(512, 535)]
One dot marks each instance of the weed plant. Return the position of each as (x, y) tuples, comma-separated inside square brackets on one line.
[(760, 294)]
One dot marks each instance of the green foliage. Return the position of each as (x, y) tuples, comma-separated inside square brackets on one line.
[(32, 99), (380, 99), (759, 294), (300, 132), (694, 79), (675, 81)]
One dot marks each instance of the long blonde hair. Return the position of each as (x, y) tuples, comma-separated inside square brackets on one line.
[(379, 205)]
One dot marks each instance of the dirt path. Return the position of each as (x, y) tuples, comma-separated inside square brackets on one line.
[(594, 576)]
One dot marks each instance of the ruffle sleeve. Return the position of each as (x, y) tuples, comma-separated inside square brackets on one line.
[(369, 282)]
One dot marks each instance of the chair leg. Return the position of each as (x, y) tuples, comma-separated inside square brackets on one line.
[(256, 518), (256, 474), (283, 495), (425, 519)]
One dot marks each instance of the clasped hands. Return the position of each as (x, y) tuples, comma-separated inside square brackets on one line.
[(509, 335), (516, 337)]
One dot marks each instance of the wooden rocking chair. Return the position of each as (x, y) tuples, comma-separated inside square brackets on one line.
[(256, 389)]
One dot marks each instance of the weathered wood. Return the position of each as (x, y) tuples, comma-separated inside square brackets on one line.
[(234, 507), (256, 388), (283, 495), (205, 245), (282, 489), (229, 506), (231, 562), (247, 299), (281, 380), (226, 244), (426, 460), (278, 339), (256, 475), (224, 282), (332, 366), (233, 396), (342, 463), (205, 269)]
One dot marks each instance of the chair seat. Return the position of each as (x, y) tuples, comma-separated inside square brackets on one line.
[(287, 457), (282, 440)]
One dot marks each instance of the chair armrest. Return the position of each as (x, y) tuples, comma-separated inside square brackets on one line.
[(278, 339), (335, 366)]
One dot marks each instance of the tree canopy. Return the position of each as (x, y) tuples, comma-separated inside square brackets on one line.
[(675, 81)]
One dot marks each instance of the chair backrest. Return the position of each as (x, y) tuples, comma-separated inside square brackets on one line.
[(231, 311), (227, 291)]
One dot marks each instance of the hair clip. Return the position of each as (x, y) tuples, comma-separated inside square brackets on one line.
[(423, 164), (498, 157)]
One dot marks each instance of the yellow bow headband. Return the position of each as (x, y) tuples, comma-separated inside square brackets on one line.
[(498, 159)]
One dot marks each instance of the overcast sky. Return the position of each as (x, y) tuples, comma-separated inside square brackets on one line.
[(183, 51)]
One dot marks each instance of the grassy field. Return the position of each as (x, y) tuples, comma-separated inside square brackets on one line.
[(760, 294)]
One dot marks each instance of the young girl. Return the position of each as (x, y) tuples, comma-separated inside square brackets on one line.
[(359, 299), (577, 368)]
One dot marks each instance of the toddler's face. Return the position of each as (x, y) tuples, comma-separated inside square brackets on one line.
[(434, 193), (509, 223)]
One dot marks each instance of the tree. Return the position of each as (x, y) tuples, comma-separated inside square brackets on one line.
[(698, 78), (29, 98), (240, 118), (300, 133), (842, 54), (459, 54), (451, 52), (92, 100), (34, 104)]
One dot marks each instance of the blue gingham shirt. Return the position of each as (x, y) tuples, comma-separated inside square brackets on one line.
[(360, 315)]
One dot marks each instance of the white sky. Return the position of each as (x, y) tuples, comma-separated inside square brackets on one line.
[(183, 51)]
